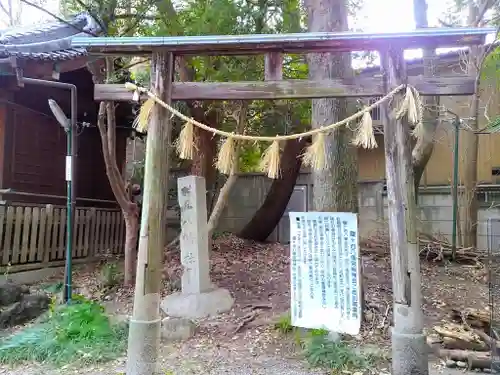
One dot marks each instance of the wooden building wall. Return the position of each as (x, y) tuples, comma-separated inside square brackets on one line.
[(35, 146), (439, 170)]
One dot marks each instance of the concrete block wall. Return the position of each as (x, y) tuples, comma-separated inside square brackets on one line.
[(435, 209), (251, 189)]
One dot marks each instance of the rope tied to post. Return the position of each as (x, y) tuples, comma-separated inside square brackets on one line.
[(315, 155)]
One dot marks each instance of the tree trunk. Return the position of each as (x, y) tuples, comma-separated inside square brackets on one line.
[(269, 214), (223, 197), (131, 235), (335, 188), (423, 149), (106, 124), (206, 150)]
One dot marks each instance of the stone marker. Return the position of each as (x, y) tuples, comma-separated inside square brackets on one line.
[(199, 298)]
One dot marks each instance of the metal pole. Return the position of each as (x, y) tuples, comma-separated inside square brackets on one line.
[(456, 122), (71, 141)]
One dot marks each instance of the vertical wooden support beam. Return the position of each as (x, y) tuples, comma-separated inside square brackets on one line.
[(144, 334), (273, 66), (408, 342), (273, 71)]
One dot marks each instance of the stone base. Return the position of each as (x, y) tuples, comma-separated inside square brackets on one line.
[(409, 354), (197, 306), (177, 329)]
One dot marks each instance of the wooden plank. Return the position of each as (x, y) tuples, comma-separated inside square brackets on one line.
[(97, 232), (80, 231), (121, 234), (48, 241), (8, 235), (26, 231), (110, 233), (42, 227), (118, 243), (35, 228), (113, 241), (54, 237), (16, 244), (91, 252), (294, 89), (61, 243), (97, 235), (75, 234), (87, 233), (4, 252), (102, 234), (107, 232)]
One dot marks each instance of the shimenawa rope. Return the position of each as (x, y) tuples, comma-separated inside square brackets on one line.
[(315, 155)]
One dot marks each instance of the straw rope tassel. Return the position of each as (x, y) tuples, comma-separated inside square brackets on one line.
[(409, 107), (142, 119), (364, 136), (270, 162), (418, 131), (315, 155), (225, 159), (185, 142)]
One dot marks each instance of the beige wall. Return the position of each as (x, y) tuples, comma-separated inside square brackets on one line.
[(440, 168)]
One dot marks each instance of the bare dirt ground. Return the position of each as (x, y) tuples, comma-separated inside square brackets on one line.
[(243, 341)]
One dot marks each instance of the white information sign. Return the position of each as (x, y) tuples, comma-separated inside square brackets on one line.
[(325, 271)]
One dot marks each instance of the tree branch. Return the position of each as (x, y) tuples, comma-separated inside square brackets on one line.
[(137, 16), (140, 17), (111, 168), (56, 17), (241, 120), (7, 13), (445, 24), (485, 6)]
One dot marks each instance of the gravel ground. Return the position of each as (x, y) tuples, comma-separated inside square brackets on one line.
[(200, 363), (204, 362)]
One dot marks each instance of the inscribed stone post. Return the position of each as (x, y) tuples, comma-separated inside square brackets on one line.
[(194, 235)]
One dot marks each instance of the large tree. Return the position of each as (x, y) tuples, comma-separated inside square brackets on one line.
[(335, 187), (270, 212)]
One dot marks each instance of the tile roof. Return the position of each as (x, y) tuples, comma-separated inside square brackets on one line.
[(48, 41)]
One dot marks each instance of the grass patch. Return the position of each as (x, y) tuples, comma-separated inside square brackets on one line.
[(284, 324), (320, 351), (80, 332)]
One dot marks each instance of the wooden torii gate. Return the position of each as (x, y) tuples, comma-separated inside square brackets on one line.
[(409, 345)]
